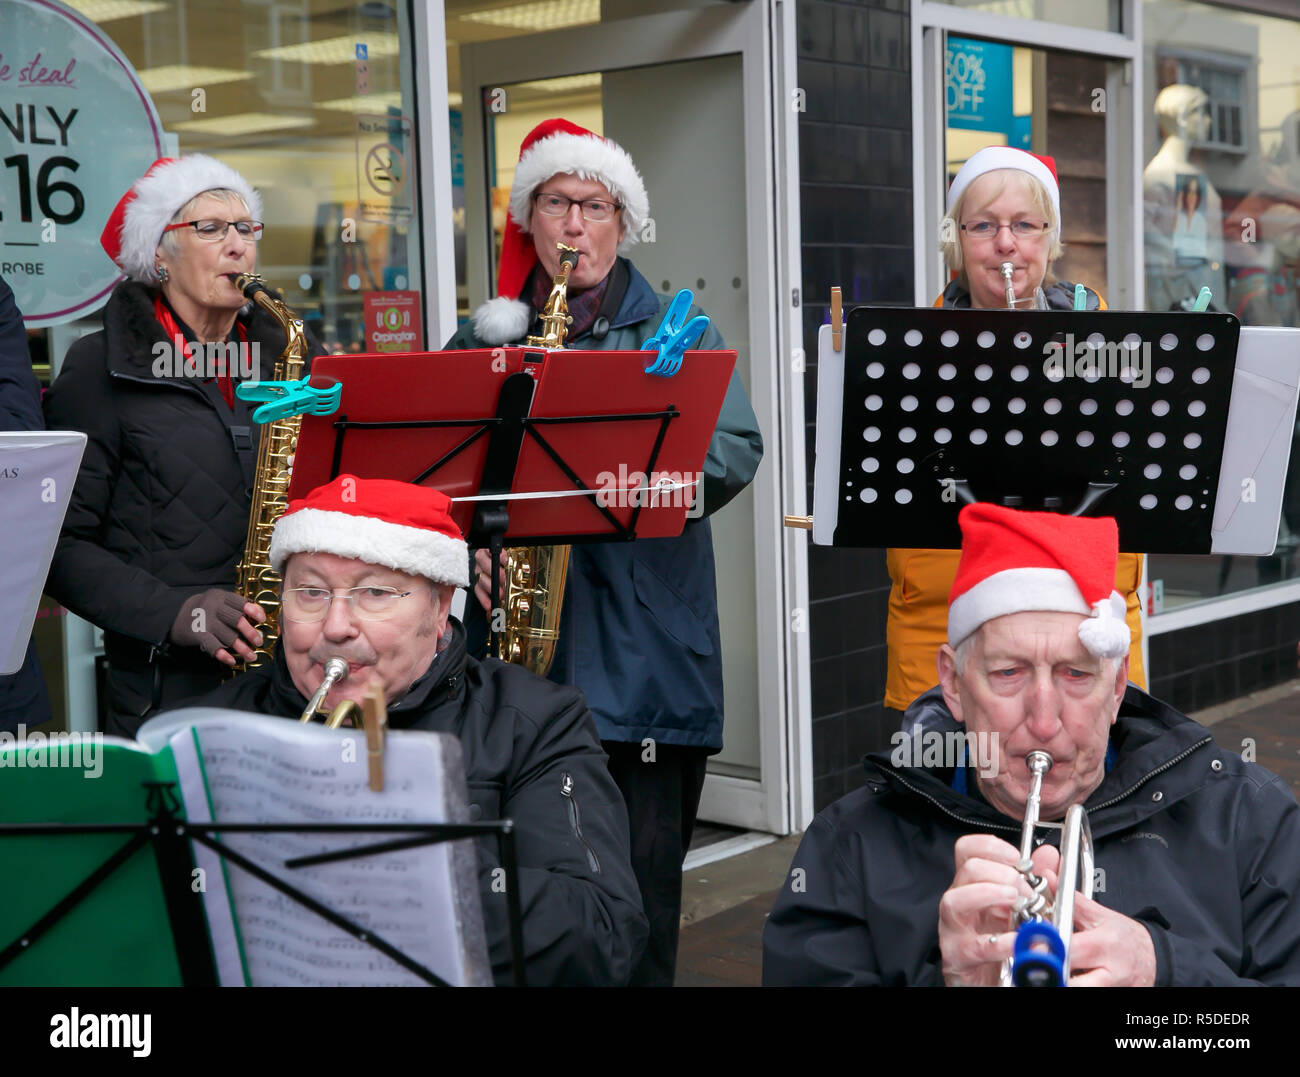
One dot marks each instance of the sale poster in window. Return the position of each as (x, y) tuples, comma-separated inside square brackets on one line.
[(76, 130)]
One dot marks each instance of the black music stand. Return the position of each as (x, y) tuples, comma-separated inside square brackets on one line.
[(1094, 413)]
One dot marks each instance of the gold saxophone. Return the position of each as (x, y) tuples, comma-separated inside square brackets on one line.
[(255, 579), (535, 575)]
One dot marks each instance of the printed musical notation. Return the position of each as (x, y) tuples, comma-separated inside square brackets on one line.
[(281, 772)]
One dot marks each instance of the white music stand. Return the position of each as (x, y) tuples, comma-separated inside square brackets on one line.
[(37, 472)]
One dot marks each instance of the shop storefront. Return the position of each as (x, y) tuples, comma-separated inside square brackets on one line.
[(1174, 126), (786, 148), (382, 136)]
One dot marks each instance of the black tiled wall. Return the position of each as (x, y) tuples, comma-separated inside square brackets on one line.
[(1212, 663), (855, 150)]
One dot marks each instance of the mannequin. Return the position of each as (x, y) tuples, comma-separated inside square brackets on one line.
[(1184, 215)]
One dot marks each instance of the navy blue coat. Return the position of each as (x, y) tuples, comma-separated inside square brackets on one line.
[(639, 634), (23, 698)]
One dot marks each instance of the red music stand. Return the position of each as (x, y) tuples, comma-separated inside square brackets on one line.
[(534, 447)]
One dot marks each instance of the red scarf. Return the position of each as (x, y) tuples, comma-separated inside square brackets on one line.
[(172, 328)]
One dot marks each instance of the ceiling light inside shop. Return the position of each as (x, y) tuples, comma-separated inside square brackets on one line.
[(108, 10), (563, 84), (365, 102), (334, 50), (541, 15), (188, 77), (243, 123)]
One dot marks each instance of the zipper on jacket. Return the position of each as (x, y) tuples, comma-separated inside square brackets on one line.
[(1051, 825), (575, 820)]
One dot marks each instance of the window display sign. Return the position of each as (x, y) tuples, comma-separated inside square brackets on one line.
[(978, 84), (393, 322), (383, 167), (76, 130)]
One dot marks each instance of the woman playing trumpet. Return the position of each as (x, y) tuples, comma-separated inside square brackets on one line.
[(1004, 209)]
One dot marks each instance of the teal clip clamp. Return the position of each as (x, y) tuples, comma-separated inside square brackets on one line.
[(671, 336), (1080, 297), (290, 398), (1202, 303)]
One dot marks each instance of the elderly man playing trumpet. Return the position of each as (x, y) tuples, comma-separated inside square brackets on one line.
[(913, 879), (369, 567)]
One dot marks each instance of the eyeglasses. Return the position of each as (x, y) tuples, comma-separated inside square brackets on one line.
[(1019, 229), (214, 230), (593, 209), (308, 605)]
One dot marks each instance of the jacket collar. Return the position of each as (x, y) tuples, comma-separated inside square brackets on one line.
[(132, 331), (639, 301), (444, 672), (1149, 738)]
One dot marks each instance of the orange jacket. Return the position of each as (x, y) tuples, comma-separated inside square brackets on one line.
[(918, 618)]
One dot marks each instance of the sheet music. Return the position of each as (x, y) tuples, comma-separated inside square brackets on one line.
[(242, 767), (37, 472), (1261, 421)]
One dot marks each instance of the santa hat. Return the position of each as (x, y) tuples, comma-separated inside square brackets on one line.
[(992, 158), (553, 147), (380, 521), (136, 224), (1013, 561)]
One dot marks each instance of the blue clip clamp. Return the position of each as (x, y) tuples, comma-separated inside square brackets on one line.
[(290, 398), (671, 336), (1039, 957)]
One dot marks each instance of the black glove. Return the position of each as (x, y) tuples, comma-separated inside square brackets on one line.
[(209, 621)]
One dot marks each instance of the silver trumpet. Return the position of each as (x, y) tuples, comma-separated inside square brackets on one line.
[(1007, 269), (1042, 957), (336, 669)]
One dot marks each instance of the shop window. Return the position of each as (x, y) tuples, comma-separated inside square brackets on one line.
[(1221, 191)]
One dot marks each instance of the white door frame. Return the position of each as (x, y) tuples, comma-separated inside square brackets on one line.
[(931, 20), (771, 199)]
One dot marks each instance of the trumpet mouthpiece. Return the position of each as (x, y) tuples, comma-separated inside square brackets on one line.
[(1039, 762), (336, 669)]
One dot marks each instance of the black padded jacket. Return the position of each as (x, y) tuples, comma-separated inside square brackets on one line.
[(1198, 845), (160, 508), (531, 755)]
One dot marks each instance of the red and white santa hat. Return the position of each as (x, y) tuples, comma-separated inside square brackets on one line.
[(136, 224), (992, 158), (1014, 561), (553, 147), (384, 522)]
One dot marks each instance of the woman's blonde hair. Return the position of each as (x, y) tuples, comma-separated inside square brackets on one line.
[(1040, 200)]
